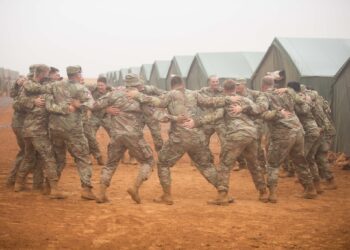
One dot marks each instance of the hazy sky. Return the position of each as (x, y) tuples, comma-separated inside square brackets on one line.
[(106, 35)]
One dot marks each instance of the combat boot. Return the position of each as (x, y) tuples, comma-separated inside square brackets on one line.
[(100, 161), (221, 200), (87, 194), (310, 192), (272, 195), (102, 197), (55, 192), (263, 196), (46, 188), (19, 185), (330, 184), (318, 188), (165, 198)]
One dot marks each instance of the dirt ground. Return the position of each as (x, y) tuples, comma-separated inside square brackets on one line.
[(29, 220)]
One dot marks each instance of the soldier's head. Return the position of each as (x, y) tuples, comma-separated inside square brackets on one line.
[(177, 83), (30, 75), (241, 84), (279, 77), (229, 87), (54, 74), (132, 81), (267, 82), (102, 84), (295, 86), (213, 82), (41, 72), (74, 73)]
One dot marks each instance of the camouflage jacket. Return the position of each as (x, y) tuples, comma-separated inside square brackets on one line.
[(18, 113), (96, 114), (149, 110), (207, 91), (130, 120)]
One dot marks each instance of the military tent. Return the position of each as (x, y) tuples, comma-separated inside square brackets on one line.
[(122, 73), (135, 70), (145, 72), (180, 65), (159, 73), (223, 64), (311, 61)]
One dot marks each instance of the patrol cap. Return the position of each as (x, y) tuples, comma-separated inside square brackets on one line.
[(132, 80), (71, 70), (32, 68)]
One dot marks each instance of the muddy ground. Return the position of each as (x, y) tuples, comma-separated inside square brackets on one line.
[(29, 220)]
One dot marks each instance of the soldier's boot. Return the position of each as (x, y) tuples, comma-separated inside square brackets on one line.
[(221, 200), (318, 188), (330, 184), (56, 193), (310, 192), (87, 194), (20, 184), (263, 196), (272, 195), (46, 188), (133, 161), (102, 197), (10, 184), (134, 191), (165, 198), (100, 161)]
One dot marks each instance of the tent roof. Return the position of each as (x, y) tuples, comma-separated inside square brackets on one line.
[(123, 72), (316, 56), (184, 63), (147, 68), (135, 70), (230, 64), (163, 67)]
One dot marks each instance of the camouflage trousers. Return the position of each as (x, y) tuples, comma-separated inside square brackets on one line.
[(260, 155), (248, 148), (155, 129), (197, 150), (310, 148), (42, 147), (320, 160), (283, 143), (139, 149), (209, 130), (38, 177), (90, 135), (76, 143)]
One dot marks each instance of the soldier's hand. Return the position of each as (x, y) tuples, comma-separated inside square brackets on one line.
[(236, 108), (308, 99), (281, 91), (189, 123), (20, 81), (113, 110), (71, 108), (181, 119), (286, 113), (235, 98), (76, 103), (39, 102), (131, 93)]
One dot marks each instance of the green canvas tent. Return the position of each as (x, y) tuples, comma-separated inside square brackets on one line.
[(145, 72), (223, 64), (311, 61), (180, 65), (159, 73), (122, 73), (341, 108), (135, 70)]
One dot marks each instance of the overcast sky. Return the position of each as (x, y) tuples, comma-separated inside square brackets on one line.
[(106, 35)]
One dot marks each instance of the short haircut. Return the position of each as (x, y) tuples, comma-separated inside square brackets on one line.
[(282, 73), (176, 80), (102, 79), (294, 85), (40, 68), (53, 70), (211, 76), (267, 81), (229, 85)]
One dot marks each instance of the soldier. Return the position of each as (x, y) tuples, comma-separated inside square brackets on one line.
[(66, 128), (36, 139), (255, 96), (54, 74), (240, 138), (126, 133), (213, 90), (181, 105), (286, 139)]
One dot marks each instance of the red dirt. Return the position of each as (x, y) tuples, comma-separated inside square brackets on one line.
[(31, 221)]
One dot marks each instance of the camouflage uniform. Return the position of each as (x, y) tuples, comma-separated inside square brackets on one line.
[(287, 137), (126, 133), (218, 126), (152, 123), (240, 138), (182, 140)]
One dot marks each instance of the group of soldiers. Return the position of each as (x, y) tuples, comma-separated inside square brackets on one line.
[(53, 116)]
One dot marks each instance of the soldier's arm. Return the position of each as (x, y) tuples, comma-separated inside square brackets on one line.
[(152, 90), (105, 101), (160, 102), (216, 102), (51, 106), (209, 118), (33, 88), (24, 102)]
